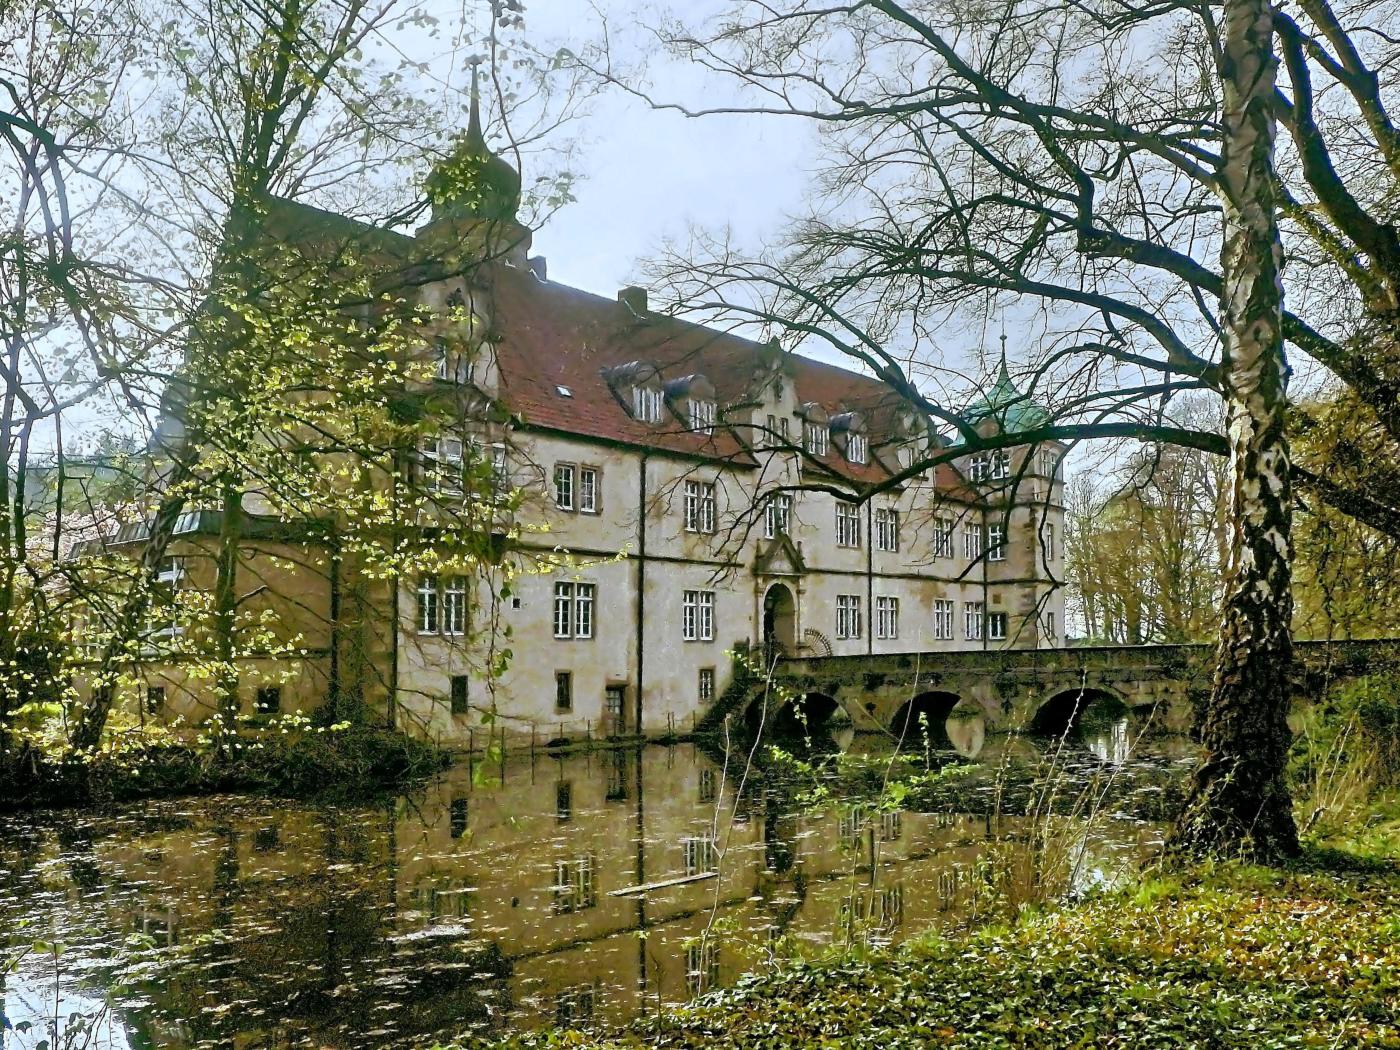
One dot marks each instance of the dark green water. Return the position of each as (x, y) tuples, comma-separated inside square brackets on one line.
[(538, 891)]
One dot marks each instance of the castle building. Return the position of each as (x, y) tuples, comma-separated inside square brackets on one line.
[(683, 494)]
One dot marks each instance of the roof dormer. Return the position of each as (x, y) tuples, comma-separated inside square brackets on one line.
[(848, 428), (637, 385), (816, 429), (693, 400)]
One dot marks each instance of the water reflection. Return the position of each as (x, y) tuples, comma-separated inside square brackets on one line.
[(558, 890)]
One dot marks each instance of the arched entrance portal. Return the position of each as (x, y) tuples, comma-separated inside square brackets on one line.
[(779, 622)]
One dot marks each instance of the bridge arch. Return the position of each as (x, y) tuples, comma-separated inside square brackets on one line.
[(810, 713), (1065, 709), (930, 708)]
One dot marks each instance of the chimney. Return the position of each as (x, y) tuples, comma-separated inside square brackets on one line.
[(539, 267), (634, 298)]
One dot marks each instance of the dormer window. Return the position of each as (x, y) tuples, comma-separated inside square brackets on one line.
[(849, 428), (702, 416), (450, 365), (646, 404), (815, 438), (856, 450)]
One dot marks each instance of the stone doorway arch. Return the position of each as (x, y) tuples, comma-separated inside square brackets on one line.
[(779, 621)]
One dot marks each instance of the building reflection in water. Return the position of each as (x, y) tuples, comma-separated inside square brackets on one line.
[(541, 890)]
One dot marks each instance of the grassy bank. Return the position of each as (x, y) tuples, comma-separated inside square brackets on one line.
[(289, 755), (1226, 956)]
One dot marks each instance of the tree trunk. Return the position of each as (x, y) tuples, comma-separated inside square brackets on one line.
[(1238, 803)]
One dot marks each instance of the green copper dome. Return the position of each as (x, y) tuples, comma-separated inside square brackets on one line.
[(1013, 410), (472, 182)]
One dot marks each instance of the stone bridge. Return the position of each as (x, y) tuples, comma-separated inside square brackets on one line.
[(1029, 689)]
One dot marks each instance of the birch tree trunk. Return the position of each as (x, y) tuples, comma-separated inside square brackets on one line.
[(1238, 802)]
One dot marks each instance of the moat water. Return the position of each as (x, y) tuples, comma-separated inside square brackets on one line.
[(521, 893)]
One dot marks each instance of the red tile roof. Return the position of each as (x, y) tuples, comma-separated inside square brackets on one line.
[(551, 336)]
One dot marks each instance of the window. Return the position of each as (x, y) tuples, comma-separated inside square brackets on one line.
[(588, 490), (573, 610), (1001, 465), (1048, 463), (458, 686), (457, 817), (702, 416), (847, 524), (575, 1005), (857, 451), (707, 788), (646, 403), (886, 617), (170, 571), (1048, 536), (996, 542), (943, 619), (942, 537), (698, 616), (155, 699), (427, 605), (564, 477), (886, 529), (268, 700), (449, 365), (815, 437), (574, 885), (848, 619), (706, 689), (563, 691), (699, 854), (564, 801), (996, 626), (973, 615), (1050, 626), (701, 967), (972, 541), (454, 605), (978, 467), (699, 506), (440, 464), (777, 515), (783, 429)]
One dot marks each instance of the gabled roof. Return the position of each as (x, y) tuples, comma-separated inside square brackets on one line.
[(550, 336)]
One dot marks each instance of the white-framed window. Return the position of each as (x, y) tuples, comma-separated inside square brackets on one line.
[(702, 416), (972, 541), (942, 537), (996, 542), (170, 571), (886, 529), (979, 467), (440, 463), (777, 515), (701, 966), (1049, 463), (646, 403), (454, 605), (699, 506), (848, 616), (705, 689), (847, 524), (1047, 535), (886, 616), (996, 626), (565, 479), (816, 438), (943, 619), (575, 884), (573, 609), (857, 449), (1049, 621), (698, 616), (699, 854), (428, 609), (1001, 465), (974, 615), (589, 490)]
